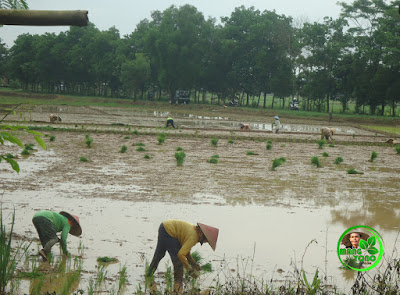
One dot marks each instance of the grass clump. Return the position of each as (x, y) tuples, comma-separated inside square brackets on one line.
[(161, 138), (230, 141), (107, 259), (178, 149), (123, 149), (213, 159), (88, 140), (321, 143), (339, 160), (277, 162), (141, 149), (353, 171), (397, 148), (325, 154), (374, 155), (83, 159), (251, 153), (214, 141), (52, 138), (315, 161), (147, 156), (180, 157)]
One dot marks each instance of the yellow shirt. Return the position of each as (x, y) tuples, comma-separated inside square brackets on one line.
[(186, 235)]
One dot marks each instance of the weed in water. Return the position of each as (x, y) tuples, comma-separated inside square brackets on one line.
[(230, 141), (315, 161), (146, 156), (88, 140), (277, 162), (180, 157), (397, 148), (250, 153), (214, 141), (353, 171), (320, 143), (325, 154), (83, 159), (339, 160), (374, 155), (269, 146), (127, 137), (123, 149), (141, 149), (52, 138), (178, 149)]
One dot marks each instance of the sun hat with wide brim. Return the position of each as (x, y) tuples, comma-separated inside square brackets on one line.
[(276, 117), (333, 130), (211, 234), (346, 238), (76, 229)]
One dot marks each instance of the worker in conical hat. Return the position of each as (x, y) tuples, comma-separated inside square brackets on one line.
[(178, 237), (49, 223), (327, 133)]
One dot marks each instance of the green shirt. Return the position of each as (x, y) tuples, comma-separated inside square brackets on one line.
[(169, 118), (60, 223)]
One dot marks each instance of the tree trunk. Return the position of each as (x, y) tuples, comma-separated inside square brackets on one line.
[(265, 100)]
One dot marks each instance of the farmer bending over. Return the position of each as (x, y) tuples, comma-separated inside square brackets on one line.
[(48, 223), (327, 133), (170, 121), (178, 237)]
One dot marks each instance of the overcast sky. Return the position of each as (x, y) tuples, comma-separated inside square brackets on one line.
[(126, 14)]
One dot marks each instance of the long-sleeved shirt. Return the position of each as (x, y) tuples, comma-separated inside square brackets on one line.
[(186, 235), (60, 223)]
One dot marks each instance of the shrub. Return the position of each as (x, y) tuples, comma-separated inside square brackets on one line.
[(123, 149), (353, 171), (397, 148), (88, 140), (374, 155), (320, 143), (83, 159), (141, 149), (214, 141), (180, 157), (338, 160), (315, 161), (52, 138), (230, 140), (146, 156), (325, 154), (277, 162), (269, 146)]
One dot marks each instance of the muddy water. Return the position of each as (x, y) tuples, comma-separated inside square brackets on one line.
[(121, 199)]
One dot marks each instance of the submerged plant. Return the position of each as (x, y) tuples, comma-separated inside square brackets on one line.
[(180, 157), (374, 155), (315, 161), (214, 141), (339, 160), (320, 143), (123, 149), (353, 171)]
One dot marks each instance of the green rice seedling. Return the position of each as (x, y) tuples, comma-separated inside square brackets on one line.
[(214, 141), (282, 159), (146, 156), (88, 140), (161, 138), (374, 155), (339, 160), (213, 160), (353, 171), (251, 153), (215, 156), (169, 280), (91, 287), (10, 156), (320, 143), (269, 141), (25, 152), (315, 161), (331, 145), (76, 125), (277, 162), (52, 138), (101, 275), (178, 149), (139, 144), (230, 141), (123, 279), (141, 149), (127, 137), (123, 149), (325, 154), (135, 132), (283, 145), (83, 159), (180, 157), (397, 148), (29, 146), (268, 146)]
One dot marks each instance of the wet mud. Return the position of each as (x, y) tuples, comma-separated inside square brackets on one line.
[(121, 198)]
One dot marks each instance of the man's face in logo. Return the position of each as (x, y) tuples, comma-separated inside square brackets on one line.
[(355, 239)]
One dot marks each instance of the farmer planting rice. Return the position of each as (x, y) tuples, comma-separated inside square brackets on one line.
[(277, 124), (178, 237), (170, 122), (49, 223), (327, 133)]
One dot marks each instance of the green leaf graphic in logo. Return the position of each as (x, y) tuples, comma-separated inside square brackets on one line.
[(363, 244), (371, 241), (373, 251)]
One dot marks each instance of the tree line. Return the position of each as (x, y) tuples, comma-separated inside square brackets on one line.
[(352, 59)]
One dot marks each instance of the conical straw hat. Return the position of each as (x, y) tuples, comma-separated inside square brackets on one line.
[(211, 234), (76, 229), (346, 238)]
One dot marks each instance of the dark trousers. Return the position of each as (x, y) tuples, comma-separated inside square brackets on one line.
[(170, 122), (47, 232), (167, 243)]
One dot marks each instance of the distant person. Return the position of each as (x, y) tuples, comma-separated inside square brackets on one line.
[(49, 223), (277, 124), (245, 126), (327, 133), (170, 122), (54, 118), (178, 237)]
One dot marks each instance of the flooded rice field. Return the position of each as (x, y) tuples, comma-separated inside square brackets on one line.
[(271, 222)]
